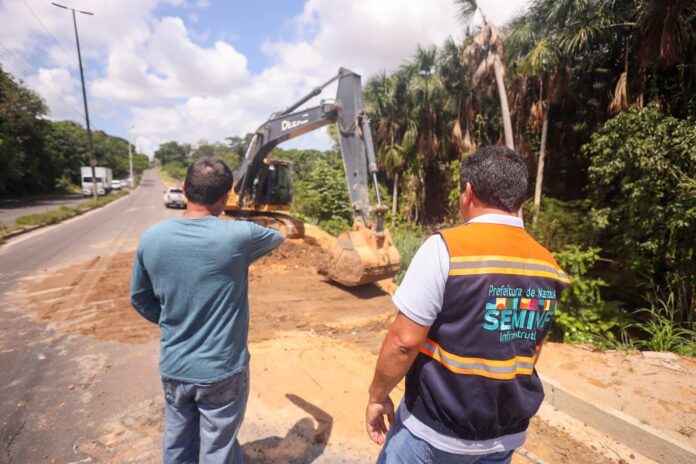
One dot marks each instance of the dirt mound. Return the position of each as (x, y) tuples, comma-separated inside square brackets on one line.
[(286, 293)]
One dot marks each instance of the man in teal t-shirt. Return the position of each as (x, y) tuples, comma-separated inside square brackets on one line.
[(190, 277)]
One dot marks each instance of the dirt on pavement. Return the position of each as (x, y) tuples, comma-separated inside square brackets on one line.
[(313, 345)]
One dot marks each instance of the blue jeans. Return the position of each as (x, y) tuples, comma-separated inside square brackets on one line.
[(402, 447), (202, 420)]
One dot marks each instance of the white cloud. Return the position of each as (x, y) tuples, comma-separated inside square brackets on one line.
[(174, 88), (168, 65), (363, 35), (501, 11), (61, 92)]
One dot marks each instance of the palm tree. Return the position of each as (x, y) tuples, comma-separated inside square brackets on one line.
[(665, 30), (531, 41), (485, 50), (385, 94), (455, 77), (426, 96)]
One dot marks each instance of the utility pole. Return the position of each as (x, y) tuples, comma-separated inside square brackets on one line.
[(130, 159), (90, 145)]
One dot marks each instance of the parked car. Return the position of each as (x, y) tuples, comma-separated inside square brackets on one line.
[(174, 197), (115, 184)]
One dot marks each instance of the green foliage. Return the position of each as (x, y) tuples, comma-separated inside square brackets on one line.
[(322, 196), (48, 217), (661, 329), (453, 190), (65, 185), (303, 161), (644, 199), (22, 132), (175, 157), (561, 223), (407, 239), (38, 155), (582, 315)]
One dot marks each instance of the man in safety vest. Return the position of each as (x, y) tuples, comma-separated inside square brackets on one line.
[(474, 308)]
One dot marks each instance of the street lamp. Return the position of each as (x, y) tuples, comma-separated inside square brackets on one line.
[(90, 145)]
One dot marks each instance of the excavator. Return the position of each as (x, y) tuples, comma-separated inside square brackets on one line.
[(262, 188)]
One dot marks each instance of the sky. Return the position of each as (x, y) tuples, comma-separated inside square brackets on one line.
[(192, 70)]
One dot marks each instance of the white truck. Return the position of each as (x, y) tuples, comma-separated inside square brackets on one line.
[(103, 177)]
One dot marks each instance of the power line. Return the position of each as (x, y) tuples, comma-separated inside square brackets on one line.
[(13, 59), (26, 70), (22, 70), (46, 29)]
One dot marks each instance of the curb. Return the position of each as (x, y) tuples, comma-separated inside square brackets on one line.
[(646, 440)]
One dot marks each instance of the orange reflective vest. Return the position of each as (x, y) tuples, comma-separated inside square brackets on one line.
[(475, 378)]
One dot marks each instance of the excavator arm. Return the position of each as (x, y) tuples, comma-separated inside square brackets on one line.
[(348, 112), (366, 253)]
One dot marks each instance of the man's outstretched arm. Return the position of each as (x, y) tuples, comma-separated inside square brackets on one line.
[(142, 295), (400, 348), (262, 241)]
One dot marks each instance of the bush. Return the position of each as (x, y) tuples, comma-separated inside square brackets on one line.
[(660, 330), (323, 195), (64, 184), (582, 315), (560, 223), (407, 237), (335, 225), (643, 193)]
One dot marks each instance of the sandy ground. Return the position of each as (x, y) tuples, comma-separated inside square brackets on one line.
[(313, 347)]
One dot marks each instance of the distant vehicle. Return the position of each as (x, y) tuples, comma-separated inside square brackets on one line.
[(103, 177), (174, 197), (116, 184)]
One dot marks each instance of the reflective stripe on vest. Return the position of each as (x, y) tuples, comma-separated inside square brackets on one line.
[(493, 369), (472, 265)]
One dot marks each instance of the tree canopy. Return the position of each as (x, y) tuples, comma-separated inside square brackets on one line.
[(38, 155)]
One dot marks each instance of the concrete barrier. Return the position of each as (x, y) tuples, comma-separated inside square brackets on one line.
[(644, 439)]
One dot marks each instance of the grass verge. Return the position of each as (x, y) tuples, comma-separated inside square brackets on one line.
[(33, 221), (168, 179)]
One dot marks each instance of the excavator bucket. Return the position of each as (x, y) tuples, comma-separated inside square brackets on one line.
[(363, 256)]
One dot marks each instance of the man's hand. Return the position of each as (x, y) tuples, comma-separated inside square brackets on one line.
[(401, 346), (374, 418)]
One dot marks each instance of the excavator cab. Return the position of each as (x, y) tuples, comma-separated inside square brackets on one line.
[(273, 186)]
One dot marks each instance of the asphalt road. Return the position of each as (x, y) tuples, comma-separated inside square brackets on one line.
[(31, 371), (11, 210)]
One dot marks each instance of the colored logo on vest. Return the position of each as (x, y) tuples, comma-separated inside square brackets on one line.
[(518, 318)]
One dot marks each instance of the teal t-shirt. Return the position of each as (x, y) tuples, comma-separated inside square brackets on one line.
[(190, 276)]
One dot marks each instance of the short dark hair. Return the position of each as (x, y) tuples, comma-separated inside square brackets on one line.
[(207, 180), (498, 177)]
